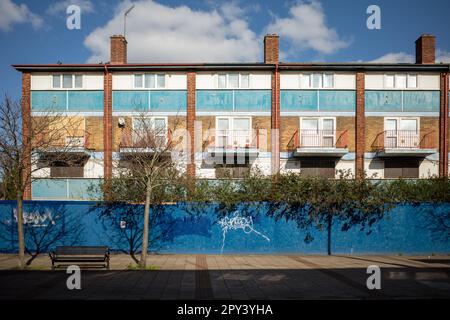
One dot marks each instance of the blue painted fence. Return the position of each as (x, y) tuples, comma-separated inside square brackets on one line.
[(188, 228)]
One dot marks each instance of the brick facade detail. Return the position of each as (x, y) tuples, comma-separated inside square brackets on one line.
[(190, 122), (275, 121), (360, 130), (443, 126), (107, 125), (26, 134)]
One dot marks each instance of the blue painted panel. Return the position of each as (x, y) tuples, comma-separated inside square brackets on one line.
[(63, 189), (85, 101), (337, 100), (421, 101), (252, 100), (214, 100), (383, 101), (130, 100), (298, 100), (168, 100), (406, 229), (48, 100)]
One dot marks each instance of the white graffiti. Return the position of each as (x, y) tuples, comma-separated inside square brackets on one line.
[(36, 219), (236, 222)]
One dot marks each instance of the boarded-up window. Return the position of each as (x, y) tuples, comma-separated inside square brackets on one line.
[(401, 168), (238, 171), (318, 168), (66, 172)]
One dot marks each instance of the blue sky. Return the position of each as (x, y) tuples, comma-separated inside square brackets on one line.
[(225, 31)]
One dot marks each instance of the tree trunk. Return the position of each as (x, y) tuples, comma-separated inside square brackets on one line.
[(143, 262), (20, 232)]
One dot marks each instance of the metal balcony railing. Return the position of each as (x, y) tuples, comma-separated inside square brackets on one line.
[(404, 139), (235, 139), (145, 141), (318, 139)]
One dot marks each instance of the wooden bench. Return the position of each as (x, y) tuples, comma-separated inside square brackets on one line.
[(80, 255)]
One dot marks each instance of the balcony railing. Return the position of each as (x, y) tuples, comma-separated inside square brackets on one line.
[(74, 141), (237, 139), (132, 140), (318, 139), (404, 139)]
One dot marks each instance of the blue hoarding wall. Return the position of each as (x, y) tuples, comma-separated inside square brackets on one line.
[(249, 228)]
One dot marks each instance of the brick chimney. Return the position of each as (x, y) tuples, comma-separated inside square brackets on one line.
[(271, 48), (425, 49), (118, 49)]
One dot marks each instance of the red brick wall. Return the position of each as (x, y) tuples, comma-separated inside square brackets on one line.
[(271, 48), (360, 130), (26, 124), (190, 122), (118, 49), (107, 125), (425, 49), (275, 121), (443, 127)]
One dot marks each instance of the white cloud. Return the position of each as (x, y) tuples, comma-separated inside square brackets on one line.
[(395, 57), (60, 7), (160, 33), (306, 28), (11, 13), (442, 56)]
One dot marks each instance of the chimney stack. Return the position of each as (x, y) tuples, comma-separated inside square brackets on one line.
[(425, 49), (271, 48), (118, 50)]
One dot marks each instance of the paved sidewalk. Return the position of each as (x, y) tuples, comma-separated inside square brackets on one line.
[(235, 277)]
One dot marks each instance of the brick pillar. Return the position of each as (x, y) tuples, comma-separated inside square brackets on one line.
[(360, 130), (425, 49), (271, 49), (190, 123), (443, 127), (275, 121), (26, 134), (118, 50), (107, 124)]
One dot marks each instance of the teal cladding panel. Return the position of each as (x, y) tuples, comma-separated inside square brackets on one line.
[(421, 101), (214, 100), (130, 100), (252, 100), (299, 100), (52, 188), (48, 100), (337, 100), (377, 101), (85, 101), (168, 100)]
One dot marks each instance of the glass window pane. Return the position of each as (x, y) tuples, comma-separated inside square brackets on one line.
[(222, 82), (412, 81), (245, 81), (222, 124), (408, 124), (316, 80), (160, 126), (241, 124), (233, 80), (328, 124), (400, 81), (328, 81), (138, 80), (57, 81), (149, 80), (161, 80), (391, 125), (67, 81), (389, 81), (310, 124), (305, 80), (78, 81)]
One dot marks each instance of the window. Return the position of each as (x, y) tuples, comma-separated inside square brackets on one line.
[(149, 132), (56, 81), (245, 81), (318, 168), (161, 80), (401, 133), (389, 81), (138, 80), (67, 81), (401, 168), (233, 80), (400, 81), (233, 132), (317, 80), (412, 81), (78, 81), (222, 81), (317, 132), (149, 80)]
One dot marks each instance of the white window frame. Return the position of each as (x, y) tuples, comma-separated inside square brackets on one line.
[(407, 80), (399, 119), (309, 77), (61, 81), (155, 78), (153, 124), (320, 128), (231, 126), (227, 80), (395, 85)]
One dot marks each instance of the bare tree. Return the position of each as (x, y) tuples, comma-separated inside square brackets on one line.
[(147, 171), (27, 145)]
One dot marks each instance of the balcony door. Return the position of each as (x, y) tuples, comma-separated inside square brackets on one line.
[(233, 132), (149, 132), (401, 133), (317, 132)]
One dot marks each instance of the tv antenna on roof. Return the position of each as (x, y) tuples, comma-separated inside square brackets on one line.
[(125, 19)]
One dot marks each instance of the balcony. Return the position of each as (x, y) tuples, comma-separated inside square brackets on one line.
[(132, 144), (319, 143), (235, 142), (406, 143)]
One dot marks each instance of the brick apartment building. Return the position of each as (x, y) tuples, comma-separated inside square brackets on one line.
[(388, 120)]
